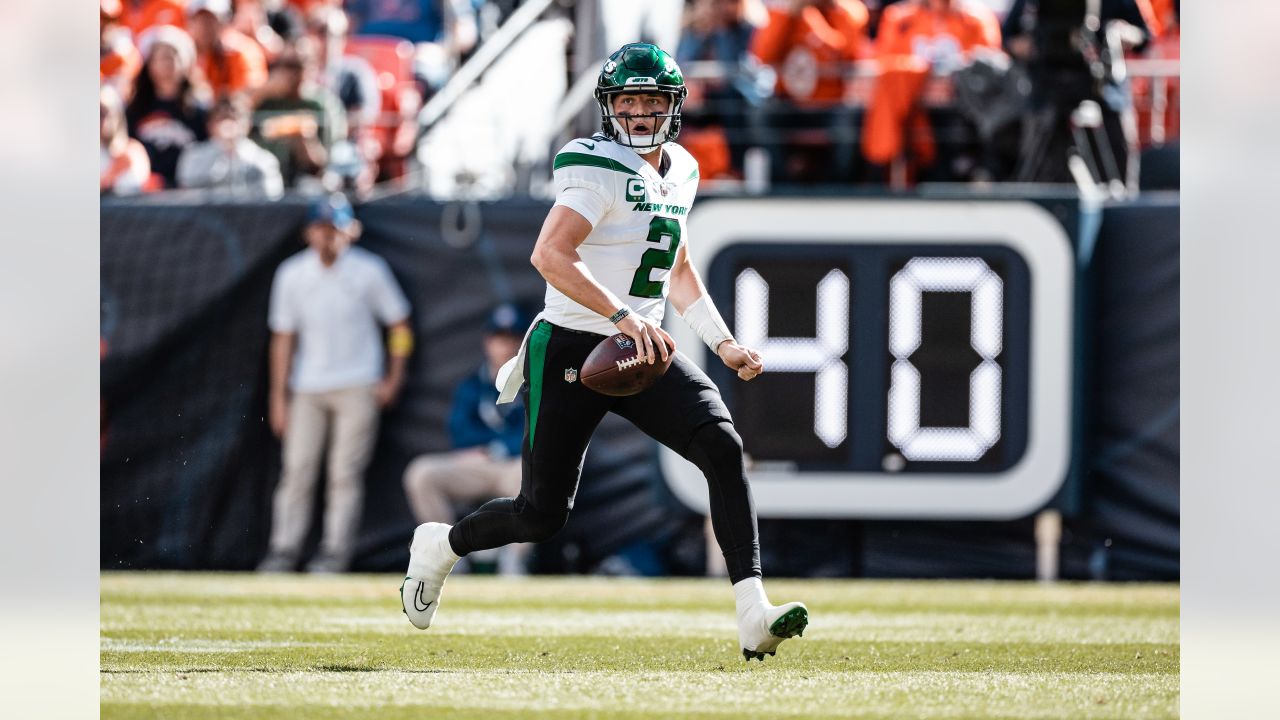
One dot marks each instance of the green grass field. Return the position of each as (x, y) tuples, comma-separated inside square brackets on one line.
[(243, 646)]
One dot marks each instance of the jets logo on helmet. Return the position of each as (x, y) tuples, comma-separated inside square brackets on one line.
[(640, 68)]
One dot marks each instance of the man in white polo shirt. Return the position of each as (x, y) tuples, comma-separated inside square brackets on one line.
[(329, 380)]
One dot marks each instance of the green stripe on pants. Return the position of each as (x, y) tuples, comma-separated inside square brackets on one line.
[(537, 358)]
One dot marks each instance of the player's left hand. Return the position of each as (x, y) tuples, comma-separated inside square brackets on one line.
[(741, 359)]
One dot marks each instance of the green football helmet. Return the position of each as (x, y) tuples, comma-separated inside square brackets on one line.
[(640, 68)]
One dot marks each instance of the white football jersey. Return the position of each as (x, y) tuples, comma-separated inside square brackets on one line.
[(638, 221)]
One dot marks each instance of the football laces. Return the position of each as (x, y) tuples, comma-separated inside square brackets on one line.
[(625, 364)]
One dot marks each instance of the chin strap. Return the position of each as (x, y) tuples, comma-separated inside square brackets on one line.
[(705, 320), (631, 140)]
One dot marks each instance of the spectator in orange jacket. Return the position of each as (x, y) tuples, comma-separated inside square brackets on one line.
[(232, 63), (918, 38), (304, 7), (940, 32), (989, 20), (118, 60), (142, 14), (810, 44), (1162, 17)]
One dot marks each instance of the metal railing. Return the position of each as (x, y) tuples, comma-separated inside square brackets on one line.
[(467, 75)]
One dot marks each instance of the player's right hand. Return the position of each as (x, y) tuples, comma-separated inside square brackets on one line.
[(652, 341)]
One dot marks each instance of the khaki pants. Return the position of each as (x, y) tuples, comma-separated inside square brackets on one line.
[(434, 482), (349, 418)]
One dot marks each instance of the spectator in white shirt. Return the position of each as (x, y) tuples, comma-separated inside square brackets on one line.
[(229, 163), (329, 380)]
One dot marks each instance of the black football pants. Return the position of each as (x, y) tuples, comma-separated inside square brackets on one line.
[(683, 411)]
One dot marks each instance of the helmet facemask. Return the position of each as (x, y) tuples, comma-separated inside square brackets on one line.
[(618, 127)]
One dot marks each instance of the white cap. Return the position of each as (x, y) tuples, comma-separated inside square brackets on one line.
[(221, 9), (174, 37)]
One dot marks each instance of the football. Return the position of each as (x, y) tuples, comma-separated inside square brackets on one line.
[(614, 368)]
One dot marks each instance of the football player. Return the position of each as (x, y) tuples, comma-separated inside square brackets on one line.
[(613, 250)]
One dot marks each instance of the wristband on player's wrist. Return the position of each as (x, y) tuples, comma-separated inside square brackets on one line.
[(622, 312)]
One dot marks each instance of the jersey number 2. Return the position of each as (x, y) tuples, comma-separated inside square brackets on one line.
[(659, 228)]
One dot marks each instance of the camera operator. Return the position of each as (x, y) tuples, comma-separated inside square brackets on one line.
[(1074, 51)]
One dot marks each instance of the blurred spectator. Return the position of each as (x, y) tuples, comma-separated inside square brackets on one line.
[(485, 462), (810, 44), (918, 38), (390, 138), (1074, 69), (721, 31), (715, 30), (354, 159), (442, 30), (298, 120), (286, 21), (1161, 16), (353, 163), (717, 125), (350, 77), (1158, 99), (168, 110), (229, 163), (231, 62), (418, 21), (139, 15), (118, 60), (123, 168), (328, 381), (987, 19), (252, 20), (939, 32), (305, 7)]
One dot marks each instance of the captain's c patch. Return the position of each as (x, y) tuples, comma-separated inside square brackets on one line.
[(635, 190)]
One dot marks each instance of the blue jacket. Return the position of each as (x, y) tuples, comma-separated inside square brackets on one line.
[(414, 20), (478, 421)]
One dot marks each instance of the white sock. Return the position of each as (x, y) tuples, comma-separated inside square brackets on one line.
[(432, 561), (749, 593), (446, 550)]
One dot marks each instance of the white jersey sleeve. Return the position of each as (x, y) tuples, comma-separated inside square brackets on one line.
[(583, 183), (587, 202)]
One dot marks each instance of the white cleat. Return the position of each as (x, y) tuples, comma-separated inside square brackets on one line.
[(763, 627), (430, 560)]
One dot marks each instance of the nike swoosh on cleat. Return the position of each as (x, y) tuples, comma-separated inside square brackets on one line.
[(591, 146), (419, 599)]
